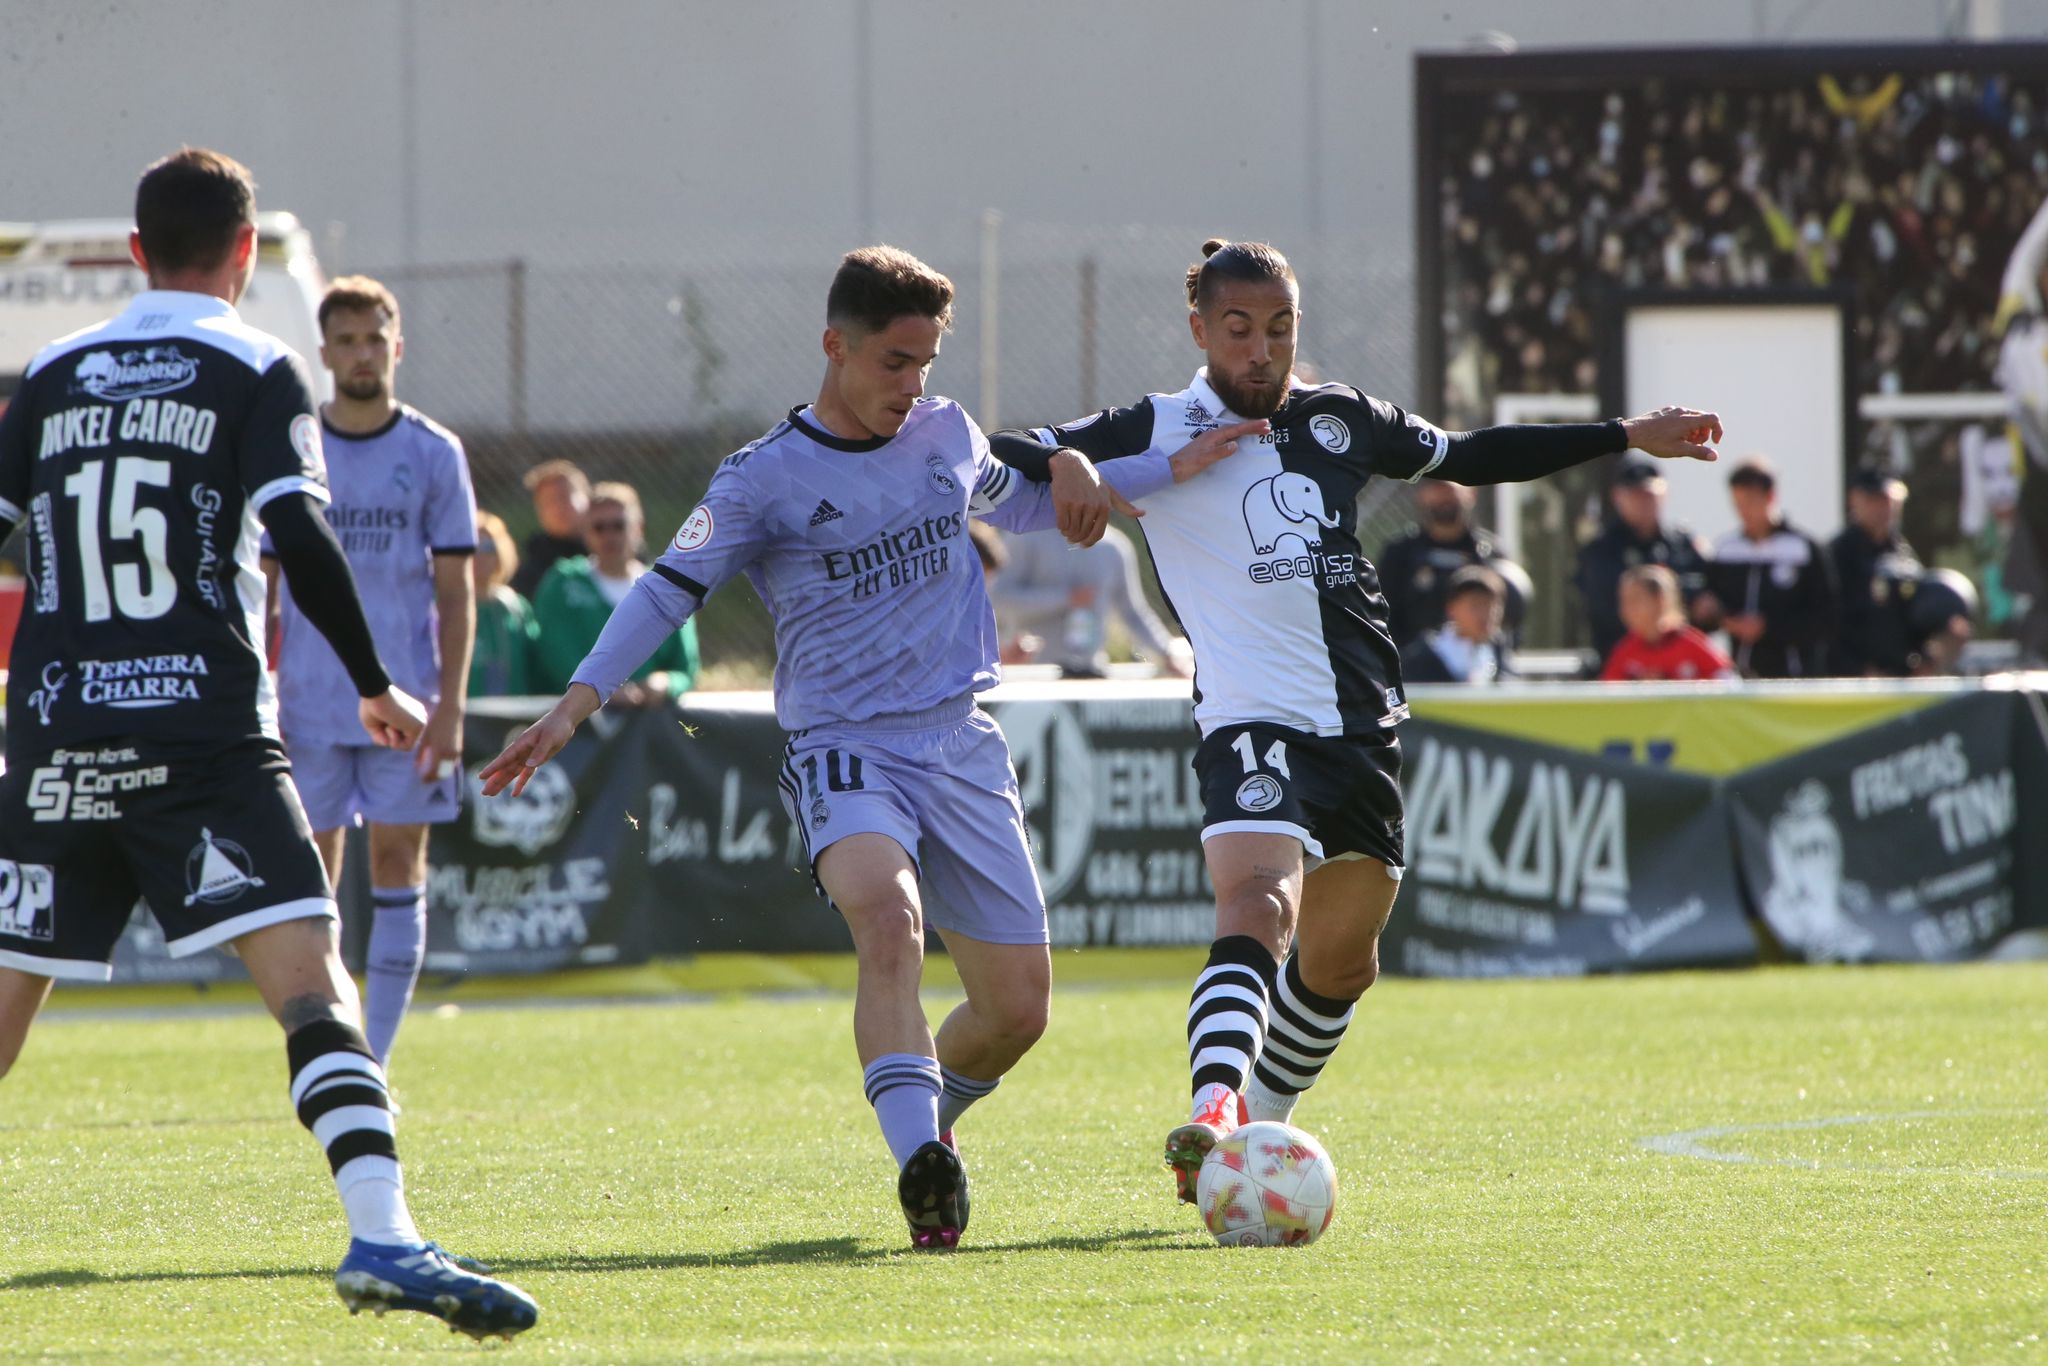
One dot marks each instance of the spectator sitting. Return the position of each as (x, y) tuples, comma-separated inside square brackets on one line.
[(503, 663), (1775, 583), (1659, 645), (1469, 647), (1415, 570), (1878, 574), (561, 500), (577, 596), (1064, 595), (1635, 536)]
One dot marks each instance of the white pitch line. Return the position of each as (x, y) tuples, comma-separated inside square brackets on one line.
[(1692, 1143)]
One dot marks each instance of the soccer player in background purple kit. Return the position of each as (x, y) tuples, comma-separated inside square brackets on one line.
[(849, 517), (404, 513)]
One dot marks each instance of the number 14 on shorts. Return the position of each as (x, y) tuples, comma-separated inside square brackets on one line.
[(1276, 755)]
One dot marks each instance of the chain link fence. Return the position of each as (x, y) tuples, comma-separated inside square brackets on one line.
[(652, 374)]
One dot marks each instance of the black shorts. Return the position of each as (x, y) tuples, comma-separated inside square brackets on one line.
[(215, 841), (1340, 795)]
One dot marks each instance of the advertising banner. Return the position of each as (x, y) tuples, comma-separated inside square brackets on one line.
[(1898, 843), (1530, 860), (1710, 728), (663, 833)]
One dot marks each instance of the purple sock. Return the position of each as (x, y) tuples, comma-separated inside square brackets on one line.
[(398, 942), (904, 1089)]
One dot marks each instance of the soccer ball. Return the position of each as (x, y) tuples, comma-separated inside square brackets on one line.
[(1267, 1185)]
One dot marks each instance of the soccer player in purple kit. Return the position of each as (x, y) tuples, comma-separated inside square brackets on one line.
[(406, 517), (849, 518)]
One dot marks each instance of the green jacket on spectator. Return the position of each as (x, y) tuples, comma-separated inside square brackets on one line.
[(570, 609), (503, 663)]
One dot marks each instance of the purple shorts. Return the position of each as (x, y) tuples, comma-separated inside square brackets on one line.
[(345, 785), (939, 783)]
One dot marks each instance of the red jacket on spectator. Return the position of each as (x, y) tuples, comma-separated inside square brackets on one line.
[(1681, 655)]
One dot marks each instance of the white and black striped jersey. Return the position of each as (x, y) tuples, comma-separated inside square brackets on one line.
[(138, 452), (1259, 554)]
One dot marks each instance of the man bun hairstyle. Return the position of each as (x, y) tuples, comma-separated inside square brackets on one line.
[(357, 292), (874, 286), (189, 207), (1223, 260)]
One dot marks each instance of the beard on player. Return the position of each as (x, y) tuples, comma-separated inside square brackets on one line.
[(1256, 393), (363, 386)]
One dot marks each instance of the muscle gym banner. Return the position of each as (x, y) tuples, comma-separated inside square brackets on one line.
[(649, 834), (1901, 842), (1531, 860)]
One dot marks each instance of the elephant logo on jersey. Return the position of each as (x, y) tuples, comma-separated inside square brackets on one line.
[(218, 870), (1330, 433), (1280, 506), (940, 478), (529, 822), (28, 894)]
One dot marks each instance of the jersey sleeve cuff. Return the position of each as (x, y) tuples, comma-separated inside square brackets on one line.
[(291, 483), (1440, 445)]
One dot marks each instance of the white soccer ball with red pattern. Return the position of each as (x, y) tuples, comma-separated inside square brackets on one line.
[(1267, 1185)]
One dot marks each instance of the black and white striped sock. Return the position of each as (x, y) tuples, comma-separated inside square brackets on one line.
[(1302, 1032), (1227, 1013), (957, 1092), (338, 1090)]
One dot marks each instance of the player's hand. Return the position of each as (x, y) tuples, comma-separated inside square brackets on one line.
[(440, 744), (539, 742), (394, 718), (1675, 433), (1081, 500), (1211, 446)]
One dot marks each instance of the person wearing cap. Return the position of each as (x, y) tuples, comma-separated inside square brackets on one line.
[(1635, 535), (1415, 569), (1878, 573), (1774, 582), (1469, 647)]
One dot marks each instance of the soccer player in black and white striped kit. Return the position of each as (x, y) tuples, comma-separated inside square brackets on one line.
[(147, 454), (1297, 680)]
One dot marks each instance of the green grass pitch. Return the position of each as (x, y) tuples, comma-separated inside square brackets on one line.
[(701, 1181)]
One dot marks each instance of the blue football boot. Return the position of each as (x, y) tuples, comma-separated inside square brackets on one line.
[(385, 1276)]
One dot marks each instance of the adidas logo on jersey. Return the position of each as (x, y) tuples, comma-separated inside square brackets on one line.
[(825, 513)]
